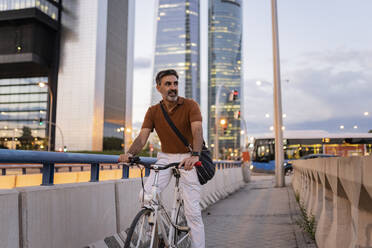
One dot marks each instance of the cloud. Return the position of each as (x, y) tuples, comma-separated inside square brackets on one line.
[(330, 86), (142, 63), (340, 59)]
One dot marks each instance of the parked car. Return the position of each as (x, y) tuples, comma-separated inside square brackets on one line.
[(319, 155), (288, 168)]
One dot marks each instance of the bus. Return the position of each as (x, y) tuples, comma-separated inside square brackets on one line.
[(297, 144)]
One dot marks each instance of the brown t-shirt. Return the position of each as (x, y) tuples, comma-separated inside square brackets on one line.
[(186, 111)]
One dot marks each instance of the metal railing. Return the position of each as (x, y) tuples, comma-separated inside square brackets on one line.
[(225, 164), (31, 159)]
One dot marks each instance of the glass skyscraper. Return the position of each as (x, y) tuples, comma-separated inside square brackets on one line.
[(177, 45), (224, 75), (82, 52)]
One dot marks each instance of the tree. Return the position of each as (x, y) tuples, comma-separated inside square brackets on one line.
[(112, 143), (370, 131), (26, 140)]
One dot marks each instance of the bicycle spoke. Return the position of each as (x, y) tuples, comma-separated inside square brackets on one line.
[(182, 239), (140, 234), (163, 224)]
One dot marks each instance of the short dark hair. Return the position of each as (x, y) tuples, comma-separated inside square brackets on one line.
[(164, 73)]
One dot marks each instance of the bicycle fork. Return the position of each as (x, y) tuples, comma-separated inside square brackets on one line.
[(158, 229), (176, 203)]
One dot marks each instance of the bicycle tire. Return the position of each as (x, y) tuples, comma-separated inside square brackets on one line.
[(178, 235), (135, 229)]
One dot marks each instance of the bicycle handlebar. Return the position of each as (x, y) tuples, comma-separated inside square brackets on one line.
[(136, 160)]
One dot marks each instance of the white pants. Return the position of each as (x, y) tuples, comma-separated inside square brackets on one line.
[(190, 192)]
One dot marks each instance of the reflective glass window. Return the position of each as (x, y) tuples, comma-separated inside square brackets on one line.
[(22, 104), (44, 5)]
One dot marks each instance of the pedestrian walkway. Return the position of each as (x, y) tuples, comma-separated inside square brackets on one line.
[(258, 215)]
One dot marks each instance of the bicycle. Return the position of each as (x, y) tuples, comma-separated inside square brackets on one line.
[(154, 226)]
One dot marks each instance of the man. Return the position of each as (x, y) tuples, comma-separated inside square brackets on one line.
[(185, 114)]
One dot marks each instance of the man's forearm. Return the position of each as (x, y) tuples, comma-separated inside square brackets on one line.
[(197, 138), (136, 146)]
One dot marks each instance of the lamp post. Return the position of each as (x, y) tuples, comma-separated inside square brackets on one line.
[(43, 84), (279, 154), (14, 146), (60, 131), (128, 131), (124, 130), (245, 130), (216, 143)]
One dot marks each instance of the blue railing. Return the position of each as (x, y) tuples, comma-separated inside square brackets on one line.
[(23, 159)]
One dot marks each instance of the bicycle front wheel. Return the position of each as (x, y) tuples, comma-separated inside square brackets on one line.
[(140, 231), (181, 238)]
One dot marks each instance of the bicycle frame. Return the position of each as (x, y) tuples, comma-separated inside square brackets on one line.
[(158, 219)]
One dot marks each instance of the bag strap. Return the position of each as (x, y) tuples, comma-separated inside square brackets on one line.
[(174, 128)]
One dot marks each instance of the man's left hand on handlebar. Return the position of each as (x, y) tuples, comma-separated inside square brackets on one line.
[(189, 162)]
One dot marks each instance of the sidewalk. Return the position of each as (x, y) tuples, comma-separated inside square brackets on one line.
[(258, 215)]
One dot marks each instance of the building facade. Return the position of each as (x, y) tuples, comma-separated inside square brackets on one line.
[(177, 45), (81, 54), (224, 76)]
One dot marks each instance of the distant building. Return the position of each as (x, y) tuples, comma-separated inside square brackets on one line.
[(177, 45), (81, 53), (224, 74)]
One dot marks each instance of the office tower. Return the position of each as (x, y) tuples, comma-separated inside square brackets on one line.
[(177, 45), (224, 76), (79, 51)]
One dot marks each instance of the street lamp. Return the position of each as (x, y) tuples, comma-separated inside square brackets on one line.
[(41, 85), (223, 122)]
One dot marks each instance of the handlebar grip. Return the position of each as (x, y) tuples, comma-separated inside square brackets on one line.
[(134, 159)]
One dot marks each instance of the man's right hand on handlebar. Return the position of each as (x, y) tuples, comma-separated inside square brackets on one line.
[(124, 158)]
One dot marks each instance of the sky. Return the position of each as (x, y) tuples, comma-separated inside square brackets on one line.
[(325, 63)]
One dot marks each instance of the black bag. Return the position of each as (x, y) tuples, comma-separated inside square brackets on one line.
[(208, 168)]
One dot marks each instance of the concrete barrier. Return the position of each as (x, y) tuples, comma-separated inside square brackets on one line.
[(9, 231), (246, 172), (75, 215), (338, 192), (69, 215)]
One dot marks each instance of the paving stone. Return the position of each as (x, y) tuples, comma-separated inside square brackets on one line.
[(258, 215)]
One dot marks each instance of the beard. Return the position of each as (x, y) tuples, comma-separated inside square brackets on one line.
[(172, 95)]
